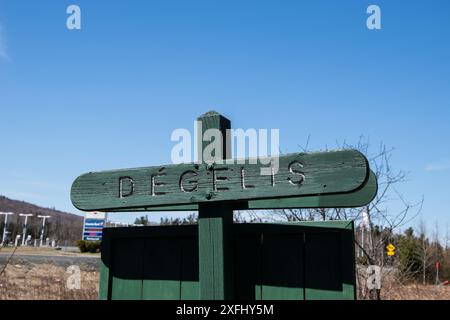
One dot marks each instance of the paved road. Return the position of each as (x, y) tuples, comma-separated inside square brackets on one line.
[(63, 261)]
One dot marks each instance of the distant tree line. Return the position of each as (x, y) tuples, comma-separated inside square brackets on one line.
[(420, 256), (166, 221)]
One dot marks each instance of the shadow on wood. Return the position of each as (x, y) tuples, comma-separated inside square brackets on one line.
[(309, 260)]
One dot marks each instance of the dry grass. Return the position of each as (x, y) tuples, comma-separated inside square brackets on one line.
[(415, 292), (45, 282), (44, 251), (29, 281), (393, 288)]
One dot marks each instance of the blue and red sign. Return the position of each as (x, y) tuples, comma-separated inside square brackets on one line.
[(94, 222)]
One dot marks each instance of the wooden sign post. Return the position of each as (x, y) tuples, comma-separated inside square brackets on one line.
[(214, 221), (216, 186)]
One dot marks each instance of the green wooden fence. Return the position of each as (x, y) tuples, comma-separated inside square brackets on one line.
[(291, 261)]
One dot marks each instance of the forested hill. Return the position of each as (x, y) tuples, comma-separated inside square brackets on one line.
[(62, 226)]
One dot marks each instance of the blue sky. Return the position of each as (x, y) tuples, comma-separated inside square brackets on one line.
[(109, 95)]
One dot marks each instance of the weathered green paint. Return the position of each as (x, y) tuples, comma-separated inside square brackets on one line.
[(215, 251), (103, 281), (190, 290), (324, 173), (170, 268), (157, 283), (127, 258), (354, 199), (157, 265), (302, 260), (339, 272), (214, 222), (126, 289), (288, 283)]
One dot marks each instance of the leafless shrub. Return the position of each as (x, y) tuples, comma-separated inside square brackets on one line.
[(382, 222)]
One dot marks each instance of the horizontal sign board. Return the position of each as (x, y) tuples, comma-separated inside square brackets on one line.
[(92, 238), (94, 223), (355, 199), (299, 174), (93, 234), (95, 215), (88, 229)]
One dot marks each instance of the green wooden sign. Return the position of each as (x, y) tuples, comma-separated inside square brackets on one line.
[(299, 174), (354, 199), (215, 188)]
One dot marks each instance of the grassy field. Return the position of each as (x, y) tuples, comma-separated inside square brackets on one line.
[(22, 280), (415, 292), (46, 282)]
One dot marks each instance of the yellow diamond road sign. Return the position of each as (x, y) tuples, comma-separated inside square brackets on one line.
[(390, 250)]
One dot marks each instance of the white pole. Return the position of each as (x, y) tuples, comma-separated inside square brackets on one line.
[(5, 231), (42, 232), (24, 229), (4, 228), (24, 233), (44, 218), (17, 240)]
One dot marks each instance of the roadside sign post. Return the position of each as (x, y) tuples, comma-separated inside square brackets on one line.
[(24, 228), (93, 225), (5, 230), (16, 243), (390, 250), (215, 186), (44, 219)]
